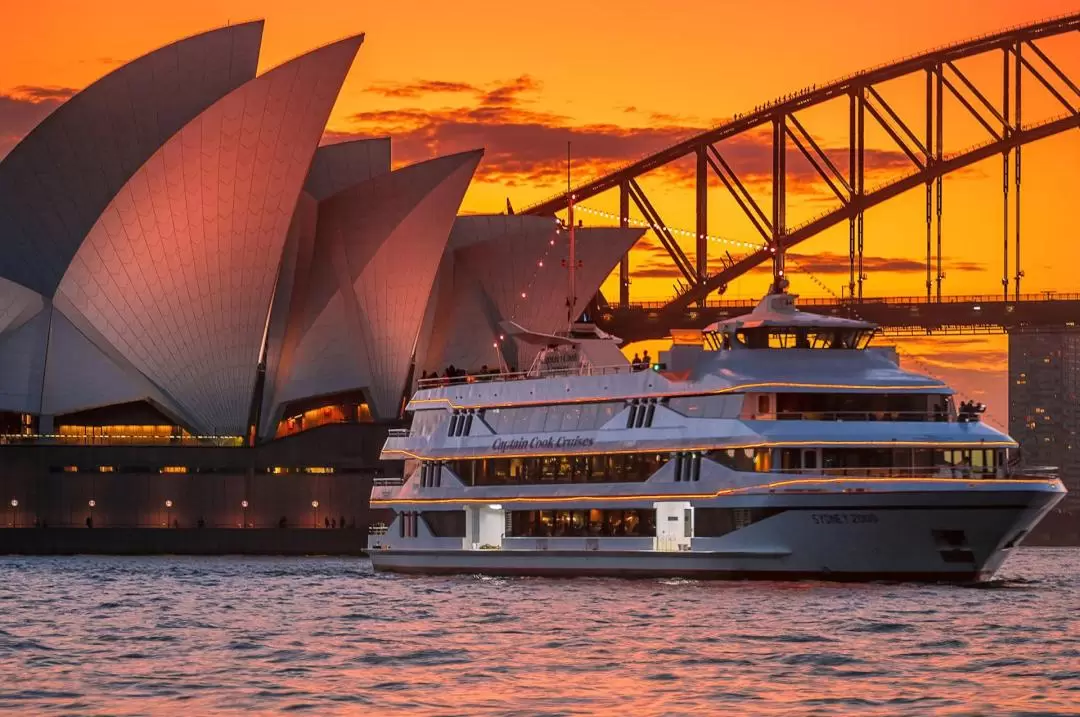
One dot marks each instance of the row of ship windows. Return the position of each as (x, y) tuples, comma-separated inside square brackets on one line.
[(593, 416), (570, 417), (592, 523), (624, 468), (639, 467)]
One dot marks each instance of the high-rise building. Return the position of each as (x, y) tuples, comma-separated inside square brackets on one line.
[(1044, 416)]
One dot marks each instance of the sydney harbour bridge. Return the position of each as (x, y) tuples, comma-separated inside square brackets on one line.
[(998, 108)]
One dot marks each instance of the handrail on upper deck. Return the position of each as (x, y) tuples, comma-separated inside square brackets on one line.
[(441, 381), (884, 415), (947, 470)]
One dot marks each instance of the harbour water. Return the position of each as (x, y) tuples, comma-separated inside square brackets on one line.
[(168, 635)]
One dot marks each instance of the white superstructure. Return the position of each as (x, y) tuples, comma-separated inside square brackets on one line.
[(776, 445)]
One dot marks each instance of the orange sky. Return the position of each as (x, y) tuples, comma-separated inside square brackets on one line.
[(620, 79)]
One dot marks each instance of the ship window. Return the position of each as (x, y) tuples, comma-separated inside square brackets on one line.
[(626, 468), (564, 418), (762, 337), (861, 407), (705, 406), (536, 420), (445, 523), (407, 524), (425, 423), (762, 460), (594, 523), (520, 421), (738, 459)]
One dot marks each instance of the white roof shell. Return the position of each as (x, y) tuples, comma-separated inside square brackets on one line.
[(490, 262), (357, 308), (178, 272)]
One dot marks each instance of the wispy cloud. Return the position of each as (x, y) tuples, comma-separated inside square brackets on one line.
[(526, 145), (656, 263), (22, 108), (420, 88)]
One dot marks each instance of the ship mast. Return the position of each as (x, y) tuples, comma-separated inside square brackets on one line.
[(571, 297)]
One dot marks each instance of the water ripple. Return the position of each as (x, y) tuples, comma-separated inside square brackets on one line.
[(94, 636)]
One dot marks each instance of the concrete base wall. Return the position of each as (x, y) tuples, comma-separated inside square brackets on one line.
[(207, 541), (139, 500), (130, 485)]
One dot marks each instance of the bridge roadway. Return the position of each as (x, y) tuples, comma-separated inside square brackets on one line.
[(898, 316)]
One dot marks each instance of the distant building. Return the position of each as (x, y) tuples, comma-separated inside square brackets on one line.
[(1044, 416)]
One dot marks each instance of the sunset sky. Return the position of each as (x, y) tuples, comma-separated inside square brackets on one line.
[(622, 79)]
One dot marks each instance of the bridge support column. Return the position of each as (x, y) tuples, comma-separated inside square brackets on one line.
[(861, 139), (624, 263), (1016, 174), (929, 184), (779, 196), (701, 252), (854, 187), (939, 132), (1005, 131)]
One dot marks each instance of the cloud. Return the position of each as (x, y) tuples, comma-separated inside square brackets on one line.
[(655, 262), (420, 88), (525, 145), (37, 94), (833, 263), (23, 108)]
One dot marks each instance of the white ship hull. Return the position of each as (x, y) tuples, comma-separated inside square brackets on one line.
[(775, 445), (913, 539)]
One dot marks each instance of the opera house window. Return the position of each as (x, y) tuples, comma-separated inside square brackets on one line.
[(325, 410)]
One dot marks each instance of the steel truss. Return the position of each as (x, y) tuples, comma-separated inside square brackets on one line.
[(944, 81)]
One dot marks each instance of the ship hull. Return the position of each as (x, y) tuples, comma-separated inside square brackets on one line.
[(631, 565), (909, 540)]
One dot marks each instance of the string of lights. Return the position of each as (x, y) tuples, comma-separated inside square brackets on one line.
[(677, 232), (523, 296)]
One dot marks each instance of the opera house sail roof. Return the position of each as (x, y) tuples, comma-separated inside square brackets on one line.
[(174, 235)]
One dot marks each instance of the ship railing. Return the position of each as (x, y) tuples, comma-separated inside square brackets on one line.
[(388, 481), (540, 372), (940, 471), (938, 416)]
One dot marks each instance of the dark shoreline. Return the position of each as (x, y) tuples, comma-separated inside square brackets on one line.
[(183, 541)]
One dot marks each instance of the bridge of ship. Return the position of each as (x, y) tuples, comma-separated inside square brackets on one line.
[(1024, 62)]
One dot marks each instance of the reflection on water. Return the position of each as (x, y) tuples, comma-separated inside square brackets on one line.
[(206, 635)]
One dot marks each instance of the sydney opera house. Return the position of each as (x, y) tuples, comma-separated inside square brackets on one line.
[(207, 318)]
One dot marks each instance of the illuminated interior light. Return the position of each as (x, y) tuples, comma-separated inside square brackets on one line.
[(744, 446), (716, 494)]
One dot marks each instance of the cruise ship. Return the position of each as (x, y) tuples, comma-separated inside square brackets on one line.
[(778, 445)]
